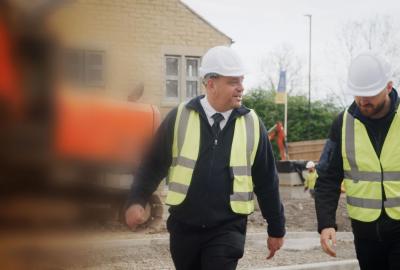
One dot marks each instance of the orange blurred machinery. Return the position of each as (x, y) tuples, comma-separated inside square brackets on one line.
[(103, 131), (60, 147)]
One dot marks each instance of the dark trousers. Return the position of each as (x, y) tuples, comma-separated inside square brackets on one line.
[(378, 255), (377, 243), (217, 248)]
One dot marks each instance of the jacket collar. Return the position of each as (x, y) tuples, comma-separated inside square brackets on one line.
[(194, 104)]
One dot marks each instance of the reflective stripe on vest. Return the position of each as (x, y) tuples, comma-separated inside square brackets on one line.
[(364, 171), (245, 140), (185, 151)]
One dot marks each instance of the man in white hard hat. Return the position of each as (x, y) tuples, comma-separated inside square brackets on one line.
[(363, 151), (213, 151), (311, 178)]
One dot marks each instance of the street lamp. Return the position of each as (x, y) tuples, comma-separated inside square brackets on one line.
[(309, 77)]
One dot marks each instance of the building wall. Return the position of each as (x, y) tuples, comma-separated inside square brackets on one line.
[(136, 35)]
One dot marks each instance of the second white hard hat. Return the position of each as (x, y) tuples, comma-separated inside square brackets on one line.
[(310, 164), (223, 61), (368, 75)]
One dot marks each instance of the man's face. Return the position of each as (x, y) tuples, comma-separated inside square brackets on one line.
[(371, 107), (226, 92)]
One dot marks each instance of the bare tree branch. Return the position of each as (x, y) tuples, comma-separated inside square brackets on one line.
[(282, 58)]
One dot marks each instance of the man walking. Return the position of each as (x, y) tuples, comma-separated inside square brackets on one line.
[(363, 150), (215, 152)]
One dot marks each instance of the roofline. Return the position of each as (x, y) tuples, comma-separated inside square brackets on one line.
[(204, 20)]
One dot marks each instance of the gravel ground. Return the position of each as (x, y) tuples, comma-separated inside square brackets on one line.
[(300, 215), (158, 257)]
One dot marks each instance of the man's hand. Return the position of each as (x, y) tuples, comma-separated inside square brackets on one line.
[(328, 241), (136, 215), (274, 244)]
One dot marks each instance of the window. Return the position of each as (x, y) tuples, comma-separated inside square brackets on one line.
[(84, 67), (192, 77), (73, 65), (94, 67), (172, 76), (182, 80)]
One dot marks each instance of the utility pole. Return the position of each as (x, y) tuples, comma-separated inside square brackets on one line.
[(309, 77)]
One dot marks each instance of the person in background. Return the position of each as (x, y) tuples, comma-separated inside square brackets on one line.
[(311, 178)]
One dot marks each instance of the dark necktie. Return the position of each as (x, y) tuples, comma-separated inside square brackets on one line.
[(216, 127)]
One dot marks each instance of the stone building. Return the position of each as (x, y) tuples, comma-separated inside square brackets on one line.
[(123, 47)]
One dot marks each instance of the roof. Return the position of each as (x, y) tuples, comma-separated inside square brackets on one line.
[(204, 20)]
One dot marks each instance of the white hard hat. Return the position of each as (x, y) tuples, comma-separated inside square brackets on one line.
[(223, 61), (368, 75), (310, 165)]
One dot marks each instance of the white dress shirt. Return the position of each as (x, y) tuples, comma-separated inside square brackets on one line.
[(210, 111)]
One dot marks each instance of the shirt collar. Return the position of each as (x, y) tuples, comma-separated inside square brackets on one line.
[(210, 111)]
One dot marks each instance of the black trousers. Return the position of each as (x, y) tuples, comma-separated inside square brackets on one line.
[(378, 255), (377, 243), (217, 248)]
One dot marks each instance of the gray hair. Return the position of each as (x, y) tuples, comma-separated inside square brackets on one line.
[(209, 76)]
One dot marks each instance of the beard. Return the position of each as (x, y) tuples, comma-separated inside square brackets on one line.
[(369, 110)]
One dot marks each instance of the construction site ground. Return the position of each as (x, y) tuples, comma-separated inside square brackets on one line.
[(115, 247)]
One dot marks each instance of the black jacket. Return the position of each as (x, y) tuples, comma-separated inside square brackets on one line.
[(330, 172), (207, 202)]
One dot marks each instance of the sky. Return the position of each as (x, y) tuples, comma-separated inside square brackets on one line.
[(257, 27)]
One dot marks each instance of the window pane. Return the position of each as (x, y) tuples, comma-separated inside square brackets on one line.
[(191, 89), (172, 88), (94, 67), (73, 65), (94, 75), (191, 67), (172, 66), (95, 59)]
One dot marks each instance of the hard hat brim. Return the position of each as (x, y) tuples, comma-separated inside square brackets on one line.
[(365, 93), (240, 73)]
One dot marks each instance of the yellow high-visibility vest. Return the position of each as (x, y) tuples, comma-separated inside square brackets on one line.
[(364, 171), (311, 178), (185, 151)]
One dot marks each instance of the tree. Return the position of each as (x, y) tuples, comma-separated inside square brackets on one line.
[(380, 34), (322, 114), (282, 58)]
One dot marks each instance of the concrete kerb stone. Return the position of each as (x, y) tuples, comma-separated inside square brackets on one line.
[(297, 240), (293, 240), (337, 265)]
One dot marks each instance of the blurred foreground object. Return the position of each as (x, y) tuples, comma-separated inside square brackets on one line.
[(66, 158)]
